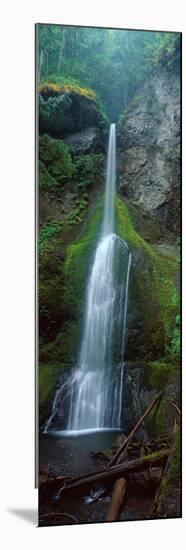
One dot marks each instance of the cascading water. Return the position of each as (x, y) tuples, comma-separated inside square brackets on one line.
[(95, 389)]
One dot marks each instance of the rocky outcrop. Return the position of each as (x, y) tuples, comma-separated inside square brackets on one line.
[(149, 142), (68, 110), (86, 141)]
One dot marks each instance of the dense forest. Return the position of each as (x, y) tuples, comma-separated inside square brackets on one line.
[(114, 63), (88, 79)]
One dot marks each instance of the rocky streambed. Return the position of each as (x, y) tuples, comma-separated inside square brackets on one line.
[(78, 455)]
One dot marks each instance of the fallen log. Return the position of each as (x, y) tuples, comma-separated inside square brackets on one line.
[(134, 449), (164, 439), (117, 471), (119, 455), (118, 493)]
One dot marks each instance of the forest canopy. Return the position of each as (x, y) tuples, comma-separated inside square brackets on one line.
[(112, 62)]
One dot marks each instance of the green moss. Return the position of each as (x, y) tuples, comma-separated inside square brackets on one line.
[(156, 374), (125, 229), (165, 276), (77, 262), (48, 378), (62, 85), (55, 85), (63, 294), (154, 456), (170, 486), (66, 106), (161, 276), (65, 346)]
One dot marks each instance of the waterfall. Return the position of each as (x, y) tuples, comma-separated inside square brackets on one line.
[(108, 218), (96, 386)]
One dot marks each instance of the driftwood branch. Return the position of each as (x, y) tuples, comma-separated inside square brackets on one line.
[(117, 471), (118, 494), (119, 455)]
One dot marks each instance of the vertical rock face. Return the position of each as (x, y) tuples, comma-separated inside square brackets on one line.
[(149, 142)]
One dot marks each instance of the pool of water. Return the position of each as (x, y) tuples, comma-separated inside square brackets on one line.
[(65, 452), (69, 453)]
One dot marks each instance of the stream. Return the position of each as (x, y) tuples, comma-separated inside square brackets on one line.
[(93, 395), (64, 454)]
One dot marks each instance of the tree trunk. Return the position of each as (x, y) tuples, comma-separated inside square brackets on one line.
[(118, 493), (61, 50), (40, 64)]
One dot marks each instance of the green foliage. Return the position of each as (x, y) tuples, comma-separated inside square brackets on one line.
[(176, 336), (76, 215), (46, 234), (56, 167), (112, 62), (86, 169), (46, 181), (162, 48)]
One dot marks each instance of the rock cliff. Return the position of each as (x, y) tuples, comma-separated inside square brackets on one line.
[(149, 143)]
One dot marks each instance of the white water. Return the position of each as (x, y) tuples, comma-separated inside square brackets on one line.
[(96, 386)]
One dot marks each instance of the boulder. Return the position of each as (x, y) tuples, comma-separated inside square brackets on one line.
[(68, 111)]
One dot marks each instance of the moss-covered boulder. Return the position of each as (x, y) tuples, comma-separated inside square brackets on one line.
[(68, 108)]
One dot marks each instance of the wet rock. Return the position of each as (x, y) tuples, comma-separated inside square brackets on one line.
[(149, 141), (85, 141), (142, 382)]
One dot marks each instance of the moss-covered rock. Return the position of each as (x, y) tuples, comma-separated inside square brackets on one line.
[(169, 501), (151, 309), (78, 260), (68, 108), (49, 376)]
